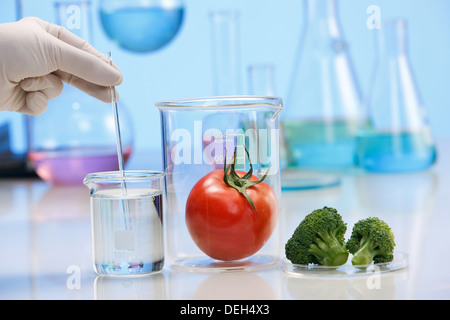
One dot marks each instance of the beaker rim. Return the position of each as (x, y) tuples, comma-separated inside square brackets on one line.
[(127, 175), (237, 101)]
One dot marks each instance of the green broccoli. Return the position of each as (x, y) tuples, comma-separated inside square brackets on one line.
[(371, 240), (319, 239)]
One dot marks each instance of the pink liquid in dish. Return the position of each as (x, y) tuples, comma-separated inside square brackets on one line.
[(69, 167)]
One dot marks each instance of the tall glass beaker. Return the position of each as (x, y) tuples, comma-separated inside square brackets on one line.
[(323, 107), (76, 134), (221, 159), (399, 139)]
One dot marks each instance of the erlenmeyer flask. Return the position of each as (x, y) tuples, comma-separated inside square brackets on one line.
[(399, 139), (323, 108), (76, 134)]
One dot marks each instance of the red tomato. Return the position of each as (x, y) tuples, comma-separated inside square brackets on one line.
[(222, 222)]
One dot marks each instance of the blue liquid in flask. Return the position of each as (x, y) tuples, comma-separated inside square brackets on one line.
[(318, 144), (395, 151), (142, 29)]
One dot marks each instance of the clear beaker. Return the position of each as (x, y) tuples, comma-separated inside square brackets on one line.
[(210, 225), (399, 138), (323, 107), (127, 222)]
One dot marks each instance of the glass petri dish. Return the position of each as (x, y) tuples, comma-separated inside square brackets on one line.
[(205, 264), (400, 262), (293, 179)]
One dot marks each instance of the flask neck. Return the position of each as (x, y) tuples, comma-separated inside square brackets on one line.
[(392, 39), (322, 17)]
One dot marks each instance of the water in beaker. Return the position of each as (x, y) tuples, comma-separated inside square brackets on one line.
[(127, 229)]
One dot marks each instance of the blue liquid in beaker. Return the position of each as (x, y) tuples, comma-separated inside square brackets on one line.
[(142, 29), (395, 151)]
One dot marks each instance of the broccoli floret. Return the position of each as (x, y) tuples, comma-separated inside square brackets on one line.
[(371, 240), (319, 239)]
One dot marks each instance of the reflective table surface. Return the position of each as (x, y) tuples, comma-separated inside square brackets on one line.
[(45, 243)]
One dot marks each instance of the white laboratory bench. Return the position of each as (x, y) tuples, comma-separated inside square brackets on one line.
[(45, 244)]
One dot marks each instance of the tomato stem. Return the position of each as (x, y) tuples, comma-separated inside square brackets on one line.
[(241, 184)]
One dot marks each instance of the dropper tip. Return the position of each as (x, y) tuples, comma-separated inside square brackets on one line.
[(109, 56)]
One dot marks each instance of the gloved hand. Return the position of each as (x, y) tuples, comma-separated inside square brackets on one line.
[(36, 56)]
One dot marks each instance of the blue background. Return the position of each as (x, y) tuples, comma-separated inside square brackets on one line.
[(269, 33)]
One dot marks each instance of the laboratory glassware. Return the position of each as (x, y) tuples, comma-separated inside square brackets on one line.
[(198, 136), (399, 138), (142, 25), (226, 65), (323, 106), (261, 79), (76, 134), (127, 228)]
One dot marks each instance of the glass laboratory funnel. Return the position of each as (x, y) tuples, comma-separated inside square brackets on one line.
[(399, 139), (323, 107), (201, 138), (76, 135), (141, 25)]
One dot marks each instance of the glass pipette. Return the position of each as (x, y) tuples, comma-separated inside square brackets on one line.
[(115, 108)]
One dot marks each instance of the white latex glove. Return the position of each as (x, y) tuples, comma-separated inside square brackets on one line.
[(36, 56)]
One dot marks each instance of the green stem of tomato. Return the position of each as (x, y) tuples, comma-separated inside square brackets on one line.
[(241, 184)]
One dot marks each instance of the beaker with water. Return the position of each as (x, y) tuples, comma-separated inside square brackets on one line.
[(399, 138), (127, 222), (323, 106), (221, 159)]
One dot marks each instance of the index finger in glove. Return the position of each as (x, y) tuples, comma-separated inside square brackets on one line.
[(100, 92)]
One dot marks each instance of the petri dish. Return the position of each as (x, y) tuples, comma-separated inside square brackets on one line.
[(293, 179), (208, 265), (400, 262)]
